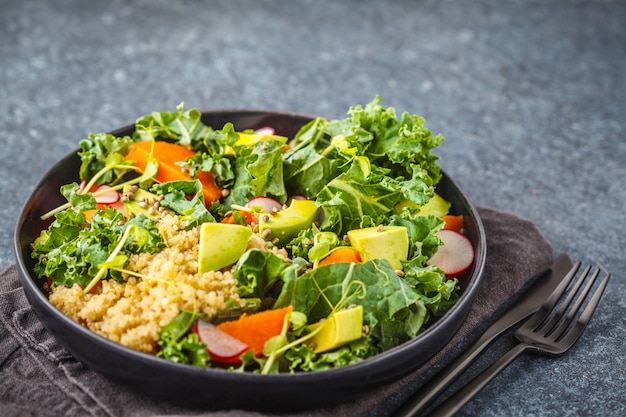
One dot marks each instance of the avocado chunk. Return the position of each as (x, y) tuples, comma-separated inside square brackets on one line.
[(388, 242), (221, 245), (251, 139), (139, 201), (437, 206), (342, 327), (285, 225)]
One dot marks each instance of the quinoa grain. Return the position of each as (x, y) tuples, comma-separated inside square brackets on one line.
[(132, 313)]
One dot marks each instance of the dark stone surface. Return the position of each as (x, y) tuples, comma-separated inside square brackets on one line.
[(530, 95)]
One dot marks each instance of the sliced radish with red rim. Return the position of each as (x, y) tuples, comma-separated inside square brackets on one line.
[(267, 204), (220, 345), (456, 254), (105, 195), (81, 188)]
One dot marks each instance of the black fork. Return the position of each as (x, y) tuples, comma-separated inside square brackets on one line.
[(551, 331)]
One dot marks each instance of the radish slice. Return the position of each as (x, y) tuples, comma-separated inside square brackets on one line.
[(456, 254), (265, 131), (81, 188), (267, 203), (119, 206), (220, 345), (107, 197)]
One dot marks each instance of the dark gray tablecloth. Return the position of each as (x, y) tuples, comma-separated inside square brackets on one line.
[(39, 378)]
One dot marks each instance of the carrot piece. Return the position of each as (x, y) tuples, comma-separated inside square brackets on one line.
[(119, 206), (89, 214), (228, 220), (256, 329), (345, 255), (453, 222), (246, 215), (168, 154)]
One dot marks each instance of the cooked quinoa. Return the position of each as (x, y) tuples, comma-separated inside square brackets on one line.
[(132, 313)]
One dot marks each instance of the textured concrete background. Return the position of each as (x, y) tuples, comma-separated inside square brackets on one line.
[(531, 96)]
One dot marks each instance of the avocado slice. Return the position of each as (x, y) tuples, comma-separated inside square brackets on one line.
[(285, 225), (250, 139), (437, 206), (139, 201), (388, 242), (342, 327), (221, 245)]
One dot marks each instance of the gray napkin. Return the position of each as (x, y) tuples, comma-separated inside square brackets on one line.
[(39, 378)]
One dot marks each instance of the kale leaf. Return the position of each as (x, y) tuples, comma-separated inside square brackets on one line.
[(392, 308), (180, 345), (71, 249), (185, 127), (258, 172), (359, 168), (94, 152), (185, 198)]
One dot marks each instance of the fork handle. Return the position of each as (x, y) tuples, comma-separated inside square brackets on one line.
[(454, 403), (434, 388)]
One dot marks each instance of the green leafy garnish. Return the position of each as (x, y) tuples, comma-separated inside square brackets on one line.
[(258, 171), (96, 153), (185, 127), (185, 198), (72, 251), (181, 346), (399, 148)]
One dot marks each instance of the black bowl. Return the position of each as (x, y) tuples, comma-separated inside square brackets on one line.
[(215, 388)]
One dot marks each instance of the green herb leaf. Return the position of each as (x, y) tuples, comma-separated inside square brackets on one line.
[(179, 345), (355, 199), (256, 273), (422, 232), (185, 127), (94, 153), (306, 170), (302, 357), (71, 250), (213, 155), (185, 198), (437, 292), (259, 172)]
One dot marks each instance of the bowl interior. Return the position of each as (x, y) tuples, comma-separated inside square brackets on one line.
[(214, 388)]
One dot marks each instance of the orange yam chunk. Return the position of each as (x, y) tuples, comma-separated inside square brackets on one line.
[(246, 215), (341, 255), (168, 154), (256, 329), (453, 222)]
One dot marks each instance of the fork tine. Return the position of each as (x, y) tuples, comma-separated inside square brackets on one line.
[(545, 309), (547, 326), (571, 313), (572, 336)]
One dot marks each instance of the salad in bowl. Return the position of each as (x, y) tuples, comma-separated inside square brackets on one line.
[(216, 255)]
